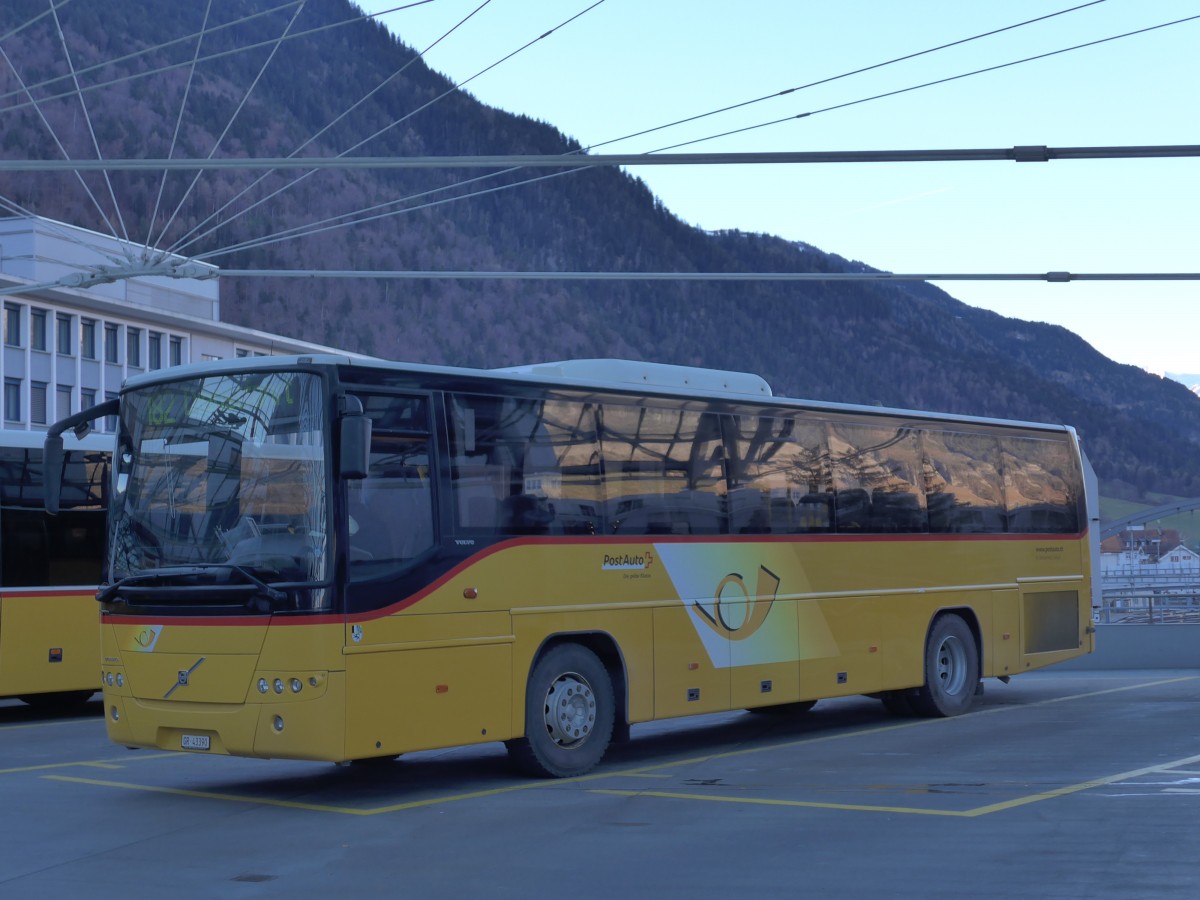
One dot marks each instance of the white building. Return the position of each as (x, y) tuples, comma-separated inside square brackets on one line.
[(67, 348)]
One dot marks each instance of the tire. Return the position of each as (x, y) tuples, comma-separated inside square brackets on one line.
[(951, 670), (783, 709), (569, 714)]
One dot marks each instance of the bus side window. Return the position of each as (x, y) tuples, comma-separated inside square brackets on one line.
[(961, 474), (1038, 474), (663, 470), (779, 475), (521, 466), (391, 510)]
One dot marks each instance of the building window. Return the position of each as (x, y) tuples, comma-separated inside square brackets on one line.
[(12, 325), (12, 399), (37, 402), (37, 329), (65, 344), (176, 351), (133, 346), (155, 350), (87, 398), (241, 352), (87, 338), (62, 405), (110, 422), (110, 343)]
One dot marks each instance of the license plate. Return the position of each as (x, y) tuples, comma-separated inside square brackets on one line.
[(196, 742)]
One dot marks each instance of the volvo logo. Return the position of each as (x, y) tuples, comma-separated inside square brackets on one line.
[(182, 678)]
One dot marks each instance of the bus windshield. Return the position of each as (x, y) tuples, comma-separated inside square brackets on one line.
[(221, 481)]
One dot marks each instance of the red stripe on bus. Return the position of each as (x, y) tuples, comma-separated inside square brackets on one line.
[(513, 543)]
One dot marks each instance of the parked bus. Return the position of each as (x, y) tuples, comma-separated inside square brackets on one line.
[(49, 569), (332, 559)]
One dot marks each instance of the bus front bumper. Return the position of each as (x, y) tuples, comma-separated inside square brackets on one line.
[(287, 729)]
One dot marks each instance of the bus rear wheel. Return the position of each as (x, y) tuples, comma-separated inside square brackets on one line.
[(951, 670), (569, 714)]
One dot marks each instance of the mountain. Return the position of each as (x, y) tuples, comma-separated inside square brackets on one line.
[(907, 345), (1191, 381)]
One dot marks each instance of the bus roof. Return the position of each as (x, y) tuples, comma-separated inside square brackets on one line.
[(628, 377)]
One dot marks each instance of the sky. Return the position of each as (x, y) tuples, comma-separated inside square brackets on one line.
[(624, 66)]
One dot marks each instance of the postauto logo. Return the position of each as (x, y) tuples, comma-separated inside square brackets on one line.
[(615, 562)]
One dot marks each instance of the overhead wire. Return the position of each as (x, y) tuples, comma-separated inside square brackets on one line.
[(233, 117), (325, 225), (455, 88), (178, 65), (32, 21), (927, 84), (187, 90), (87, 118), (300, 231), (61, 149), (852, 72), (196, 233)]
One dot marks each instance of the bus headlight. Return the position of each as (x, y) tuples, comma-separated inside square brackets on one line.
[(279, 685), (277, 723), (263, 685), (296, 685), (120, 679), (116, 716)]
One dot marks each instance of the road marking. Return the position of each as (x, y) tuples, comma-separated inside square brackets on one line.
[(93, 763), (319, 807), (82, 720), (916, 810), (653, 770)]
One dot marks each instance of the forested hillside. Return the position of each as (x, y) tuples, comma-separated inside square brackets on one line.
[(873, 343)]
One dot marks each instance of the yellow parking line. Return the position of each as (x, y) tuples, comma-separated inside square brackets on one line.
[(767, 801), (96, 763), (916, 810), (650, 771), (896, 726), (180, 792), (317, 807), (96, 720)]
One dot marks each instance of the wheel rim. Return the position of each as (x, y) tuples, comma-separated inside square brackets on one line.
[(570, 710), (951, 665)]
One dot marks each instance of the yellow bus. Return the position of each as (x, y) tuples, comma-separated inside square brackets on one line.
[(49, 569), (330, 559)]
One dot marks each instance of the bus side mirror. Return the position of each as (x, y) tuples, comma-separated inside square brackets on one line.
[(52, 463), (52, 448), (356, 446)]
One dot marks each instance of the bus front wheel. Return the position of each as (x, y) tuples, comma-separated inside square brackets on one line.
[(569, 714), (951, 670)]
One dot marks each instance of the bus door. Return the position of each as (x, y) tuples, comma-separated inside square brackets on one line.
[(418, 674)]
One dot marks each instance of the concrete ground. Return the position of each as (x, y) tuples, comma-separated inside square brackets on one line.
[(1061, 784)]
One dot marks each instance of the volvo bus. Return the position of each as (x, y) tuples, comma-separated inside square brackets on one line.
[(49, 569), (332, 559)]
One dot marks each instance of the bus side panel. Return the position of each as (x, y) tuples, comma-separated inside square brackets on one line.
[(1005, 655), (400, 701), (754, 683), (687, 679), (1056, 622), (419, 681), (49, 641), (839, 645)]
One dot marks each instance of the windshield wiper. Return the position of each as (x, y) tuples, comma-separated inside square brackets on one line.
[(109, 593)]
